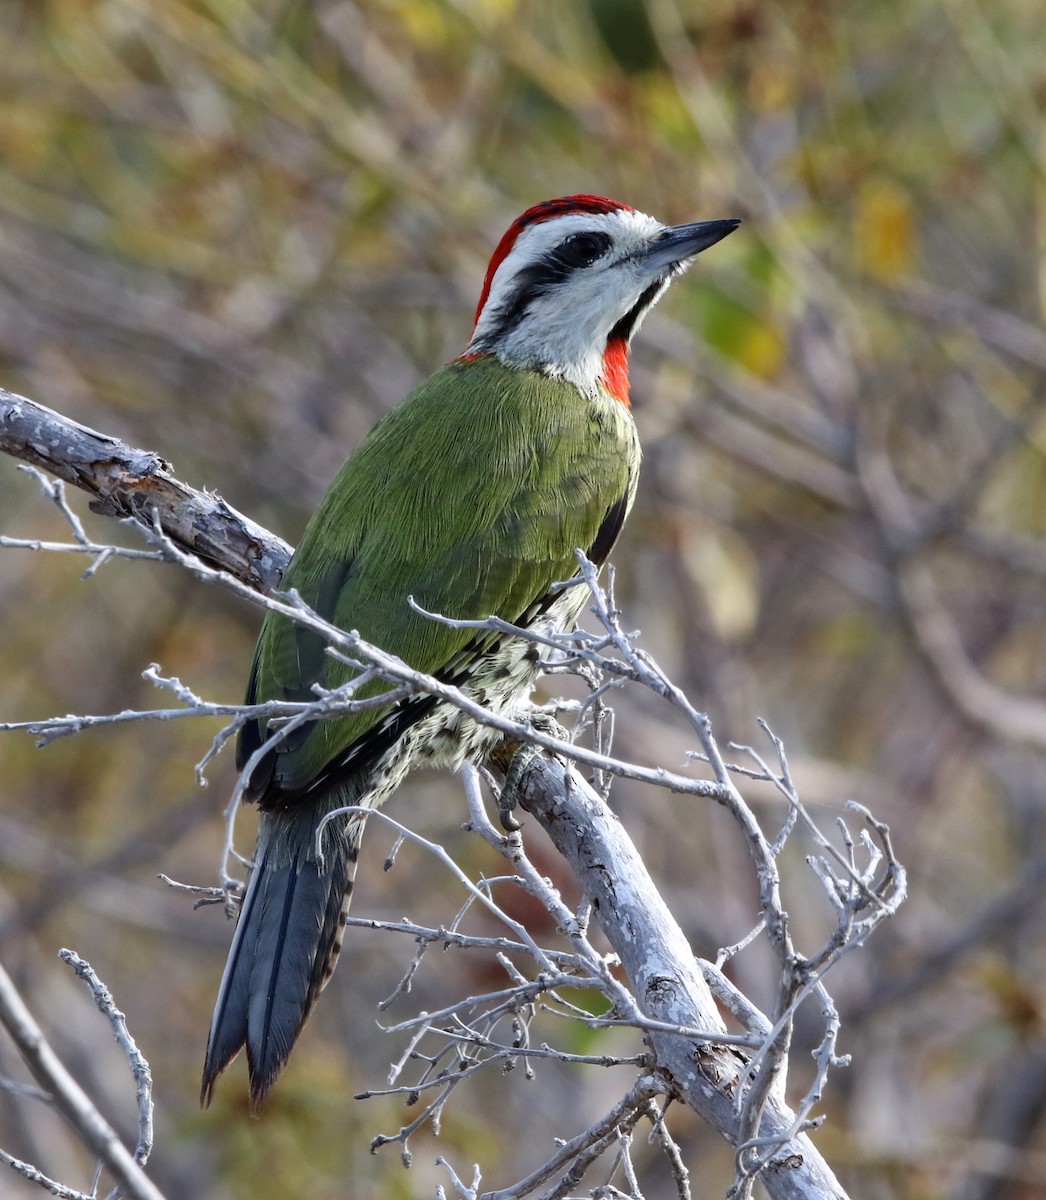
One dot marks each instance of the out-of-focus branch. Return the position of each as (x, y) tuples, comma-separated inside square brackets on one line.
[(69, 1098), (998, 328), (1011, 718), (983, 703), (128, 482)]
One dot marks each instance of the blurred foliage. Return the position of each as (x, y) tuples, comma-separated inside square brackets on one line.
[(236, 231)]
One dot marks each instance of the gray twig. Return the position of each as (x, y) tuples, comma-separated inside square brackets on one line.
[(70, 1099)]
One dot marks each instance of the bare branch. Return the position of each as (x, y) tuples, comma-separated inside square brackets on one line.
[(34, 1175), (127, 482), (664, 976), (139, 1067), (667, 996), (69, 1098), (577, 1154)]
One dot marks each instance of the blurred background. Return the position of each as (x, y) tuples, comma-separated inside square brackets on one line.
[(237, 231)]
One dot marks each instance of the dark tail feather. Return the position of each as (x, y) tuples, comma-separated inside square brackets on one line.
[(287, 941)]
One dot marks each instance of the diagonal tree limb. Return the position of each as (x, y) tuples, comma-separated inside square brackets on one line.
[(654, 952), (128, 482), (663, 973)]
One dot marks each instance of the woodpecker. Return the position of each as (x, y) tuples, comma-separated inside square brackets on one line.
[(471, 497)]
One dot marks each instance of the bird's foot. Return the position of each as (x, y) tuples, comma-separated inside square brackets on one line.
[(508, 797), (522, 756)]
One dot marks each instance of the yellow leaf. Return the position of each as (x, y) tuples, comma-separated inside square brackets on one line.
[(884, 230)]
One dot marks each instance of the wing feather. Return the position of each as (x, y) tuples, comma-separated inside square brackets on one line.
[(471, 497)]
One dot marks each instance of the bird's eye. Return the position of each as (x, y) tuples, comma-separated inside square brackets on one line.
[(582, 249)]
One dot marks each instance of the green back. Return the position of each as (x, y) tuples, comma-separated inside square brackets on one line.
[(471, 497)]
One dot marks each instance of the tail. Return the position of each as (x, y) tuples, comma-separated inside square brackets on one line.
[(287, 940)]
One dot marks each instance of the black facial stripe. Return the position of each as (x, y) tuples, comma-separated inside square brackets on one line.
[(534, 281), (531, 282), (623, 329), (574, 253)]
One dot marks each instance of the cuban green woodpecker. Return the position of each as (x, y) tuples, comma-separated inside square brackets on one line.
[(471, 497)]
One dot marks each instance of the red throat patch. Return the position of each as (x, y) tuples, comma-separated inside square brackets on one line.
[(615, 370), (544, 211)]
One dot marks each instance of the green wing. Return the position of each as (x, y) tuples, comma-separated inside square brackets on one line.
[(471, 497)]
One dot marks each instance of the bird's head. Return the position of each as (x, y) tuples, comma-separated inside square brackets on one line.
[(570, 281)]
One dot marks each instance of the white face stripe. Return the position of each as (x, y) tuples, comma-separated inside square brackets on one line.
[(563, 329)]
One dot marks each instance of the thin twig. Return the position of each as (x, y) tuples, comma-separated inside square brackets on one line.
[(139, 1067), (69, 1098)]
